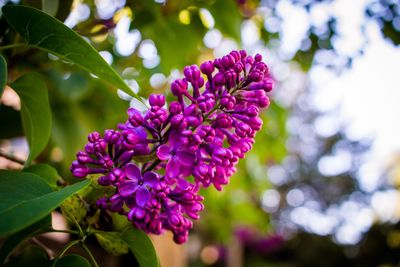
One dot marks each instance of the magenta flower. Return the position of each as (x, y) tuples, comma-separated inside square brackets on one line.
[(180, 160), (137, 184), (203, 133)]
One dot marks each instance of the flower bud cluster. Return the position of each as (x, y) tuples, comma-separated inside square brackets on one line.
[(157, 161)]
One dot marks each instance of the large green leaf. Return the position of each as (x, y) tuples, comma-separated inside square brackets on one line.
[(48, 173), (3, 74), (72, 261), (141, 246), (49, 34), (112, 243), (32, 256), (12, 242), (26, 198), (35, 112)]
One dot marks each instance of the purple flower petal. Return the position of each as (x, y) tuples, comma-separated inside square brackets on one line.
[(141, 132), (133, 172), (183, 184), (150, 179), (175, 139), (163, 152), (172, 169), (185, 170), (185, 158), (127, 188), (142, 196)]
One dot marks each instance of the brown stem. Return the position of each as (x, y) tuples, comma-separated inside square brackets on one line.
[(11, 157), (152, 166)]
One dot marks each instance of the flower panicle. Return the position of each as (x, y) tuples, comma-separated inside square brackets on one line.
[(202, 134)]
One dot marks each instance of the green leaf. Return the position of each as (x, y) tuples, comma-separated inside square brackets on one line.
[(26, 198), (3, 74), (74, 207), (12, 242), (120, 222), (141, 246), (49, 34), (35, 112), (112, 243), (45, 171), (72, 261), (33, 256)]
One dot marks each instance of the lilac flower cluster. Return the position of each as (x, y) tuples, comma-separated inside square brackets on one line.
[(202, 134)]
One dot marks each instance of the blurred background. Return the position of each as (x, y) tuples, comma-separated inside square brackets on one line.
[(320, 187)]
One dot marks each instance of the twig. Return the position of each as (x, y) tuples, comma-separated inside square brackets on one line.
[(72, 232), (81, 233), (66, 248), (90, 254), (12, 46), (11, 157), (48, 251), (153, 165)]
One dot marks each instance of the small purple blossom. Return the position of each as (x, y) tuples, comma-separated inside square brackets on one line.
[(203, 133), (180, 161), (137, 184)]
